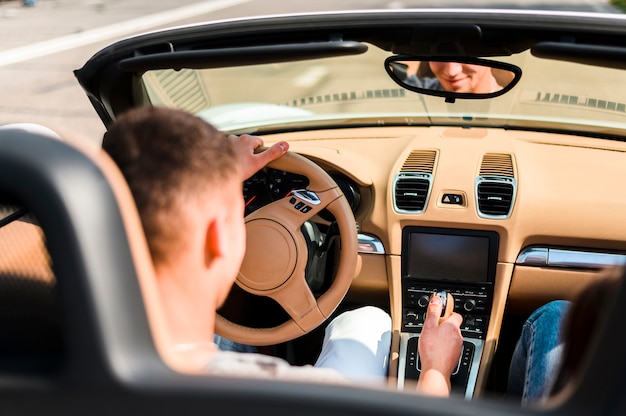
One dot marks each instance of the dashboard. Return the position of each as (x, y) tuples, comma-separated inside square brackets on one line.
[(535, 195), (559, 194)]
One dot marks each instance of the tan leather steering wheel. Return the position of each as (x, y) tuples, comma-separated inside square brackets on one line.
[(276, 256)]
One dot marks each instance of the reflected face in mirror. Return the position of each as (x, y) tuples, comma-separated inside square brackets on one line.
[(473, 78), (465, 78)]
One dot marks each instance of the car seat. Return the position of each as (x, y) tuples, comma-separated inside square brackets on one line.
[(72, 250)]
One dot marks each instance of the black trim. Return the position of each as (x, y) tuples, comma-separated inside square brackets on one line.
[(19, 213), (595, 55), (252, 55)]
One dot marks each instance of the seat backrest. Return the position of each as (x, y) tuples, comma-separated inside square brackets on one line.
[(77, 287), (30, 315)]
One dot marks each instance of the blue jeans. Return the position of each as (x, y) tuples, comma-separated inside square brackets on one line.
[(226, 344), (538, 354)]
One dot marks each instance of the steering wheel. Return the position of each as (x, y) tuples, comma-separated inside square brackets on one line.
[(276, 256)]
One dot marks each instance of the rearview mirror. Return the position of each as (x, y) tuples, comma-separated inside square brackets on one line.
[(452, 78)]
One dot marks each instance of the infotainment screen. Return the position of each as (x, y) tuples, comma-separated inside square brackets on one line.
[(451, 254)]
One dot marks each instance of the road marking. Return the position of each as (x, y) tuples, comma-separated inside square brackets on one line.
[(117, 30)]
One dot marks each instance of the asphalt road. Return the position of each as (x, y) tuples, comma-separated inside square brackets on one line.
[(40, 46)]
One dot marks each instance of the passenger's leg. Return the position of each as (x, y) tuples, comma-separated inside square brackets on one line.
[(357, 343), (225, 344), (537, 356)]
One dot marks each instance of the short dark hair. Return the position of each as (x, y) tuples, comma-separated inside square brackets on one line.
[(167, 156)]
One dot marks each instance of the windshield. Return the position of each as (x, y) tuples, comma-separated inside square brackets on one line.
[(356, 90)]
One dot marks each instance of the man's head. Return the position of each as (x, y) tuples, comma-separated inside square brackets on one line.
[(464, 78), (185, 178)]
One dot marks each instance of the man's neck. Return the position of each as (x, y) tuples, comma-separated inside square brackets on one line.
[(191, 321)]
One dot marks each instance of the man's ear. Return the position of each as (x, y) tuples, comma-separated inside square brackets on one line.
[(216, 240)]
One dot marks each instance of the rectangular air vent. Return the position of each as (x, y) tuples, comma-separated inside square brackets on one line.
[(496, 186), (420, 161), (497, 164), (412, 185), (495, 198), (411, 192)]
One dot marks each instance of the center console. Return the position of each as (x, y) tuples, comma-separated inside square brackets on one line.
[(462, 262)]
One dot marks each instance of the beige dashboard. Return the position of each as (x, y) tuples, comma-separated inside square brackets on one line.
[(567, 200)]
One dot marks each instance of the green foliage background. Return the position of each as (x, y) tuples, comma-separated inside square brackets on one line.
[(619, 3)]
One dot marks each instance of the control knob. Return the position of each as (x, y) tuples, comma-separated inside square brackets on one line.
[(469, 305), (423, 300), (411, 316)]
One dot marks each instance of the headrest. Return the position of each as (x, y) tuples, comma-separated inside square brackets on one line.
[(32, 128)]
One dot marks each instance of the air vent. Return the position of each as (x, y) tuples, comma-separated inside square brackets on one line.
[(496, 186), (411, 192), (412, 185), (497, 164), (420, 161)]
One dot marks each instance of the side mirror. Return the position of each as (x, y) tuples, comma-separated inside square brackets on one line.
[(453, 78)]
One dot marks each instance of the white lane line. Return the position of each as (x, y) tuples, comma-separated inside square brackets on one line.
[(116, 30)]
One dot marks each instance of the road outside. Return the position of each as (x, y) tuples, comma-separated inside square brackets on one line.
[(40, 46)]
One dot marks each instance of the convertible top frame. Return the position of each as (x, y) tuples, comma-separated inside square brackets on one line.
[(430, 32)]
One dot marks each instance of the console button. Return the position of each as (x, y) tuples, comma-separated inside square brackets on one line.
[(422, 302), (452, 199), (469, 305)]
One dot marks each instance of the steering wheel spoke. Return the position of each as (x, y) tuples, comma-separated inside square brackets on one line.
[(298, 207), (298, 301)]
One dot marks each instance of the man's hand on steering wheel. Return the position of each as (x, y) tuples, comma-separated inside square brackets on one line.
[(251, 154)]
